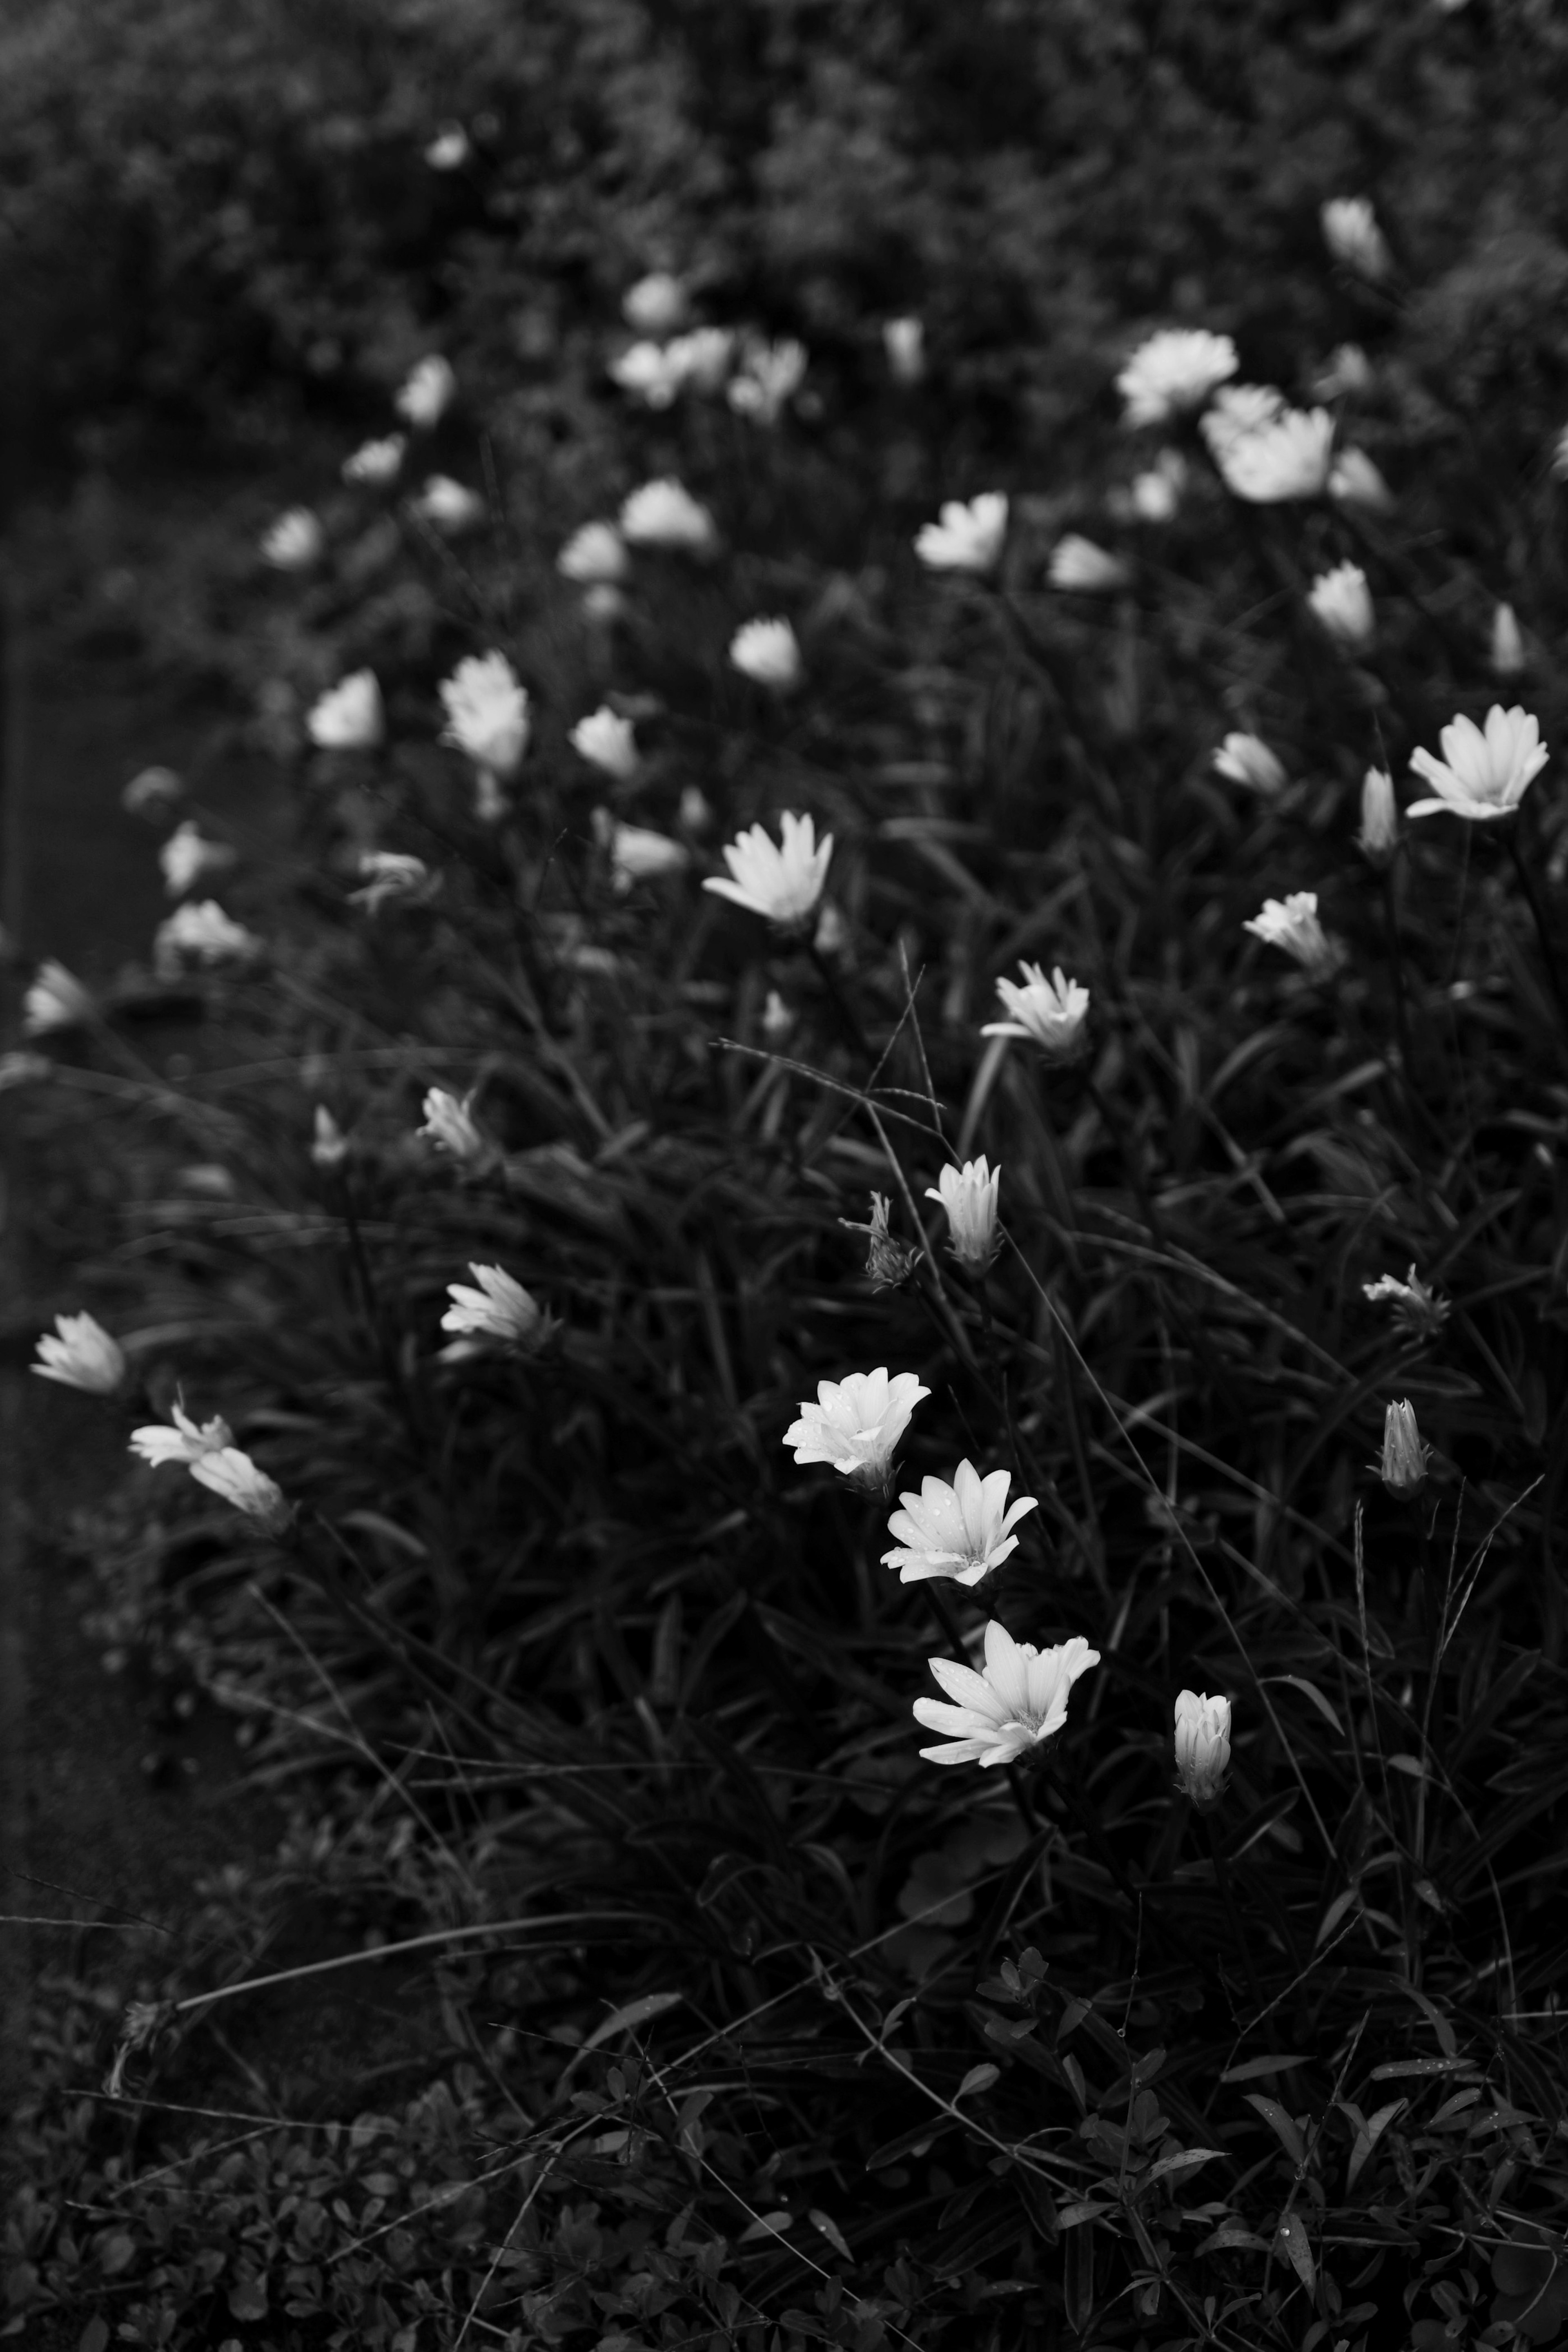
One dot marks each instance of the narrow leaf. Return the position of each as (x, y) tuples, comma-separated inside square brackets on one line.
[(1284, 2126), (978, 2078), (1252, 2067), (634, 2012), (1291, 2239)]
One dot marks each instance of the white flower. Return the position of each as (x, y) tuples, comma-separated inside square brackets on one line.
[(696, 811), (1343, 604), (903, 341), (961, 1531), (1348, 370), (1018, 1703), (770, 374), (1416, 1308), (1077, 563), (1242, 408), (767, 652), (1285, 453), (428, 392), (1247, 759), (348, 716), (449, 1124), (79, 1354), (1354, 481), (450, 149), (150, 791), (390, 874), (777, 1019), (655, 305), (184, 1443), (635, 852), (490, 802), (487, 713), (1379, 835), (295, 541), (1176, 369), (328, 1145), (1202, 1746), (234, 1475), (594, 556), (704, 356), (376, 461), (1292, 924), (969, 1196), (781, 882), (1481, 776), (603, 603), (1507, 647), (1051, 1013), (652, 373), (203, 933), (447, 505), (499, 1309), (857, 1423), (185, 857), (607, 742), (968, 538), (1353, 236), (1154, 495), (1403, 1465), (664, 514), (55, 999)]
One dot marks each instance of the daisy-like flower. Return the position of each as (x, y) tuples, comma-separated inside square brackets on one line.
[(969, 1196), (664, 514), (1174, 371), (636, 852), (1202, 1747), (55, 999), (903, 341), (1481, 775), (186, 1443), (1506, 647), (1077, 563), (152, 792), (655, 305), (1050, 1013), (1353, 236), (449, 1124), (768, 652), (295, 541), (770, 376), (961, 1531), (1291, 923), (1242, 408), (607, 742), (228, 1473), (428, 392), (594, 556), (390, 874), (1415, 1307), (487, 713), (1247, 759), (968, 537), (1354, 481), (450, 149), (1016, 1705), (1379, 835), (499, 1309), (348, 716), (1403, 1468), (185, 857), (200, 933), (1286, 455), (448, 505), (79, 1354), (1342, 601), (857, 1423), (329, 1145), (376, 462), (782, 881)]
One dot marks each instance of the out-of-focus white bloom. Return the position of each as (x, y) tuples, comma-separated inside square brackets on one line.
[(1202, 1747), (664, 514), (704, 356), (637, 853), (447, 505), (490, 801), (152, 792), (449, 1124), (348, 716), (770, 374), (607, 742), (450, 149), (1481, 775), (1020, 1701), (903, 341), (603, 603), (186, 1442), (832, 932), (500, 1308), (695, 810), (1247, 759), (1403, 1465), (1076, 562), (1353, 236), (777, 1020), (55, 999), (79, 1354), (428, 392), (768, 652), (1379, 835), (1174, 371), (1559, 459), (969, 1196), (857, 1423), (185, 856), (23, 1070), (376, 461), (1284, 454), (200, 933), (1354, 481), (390, 874), (1050, 1013), (329, 1144), (295, 541), (1291, 923), (1348, 370), (487, 713), (594, 556), (968, 537), (961, 1531), (655, 305), (235, 1478), (1416, 1307), (782, 881), (1154, 495), (1342, 601), (1507, 647), (652, 373), (1242, 408)]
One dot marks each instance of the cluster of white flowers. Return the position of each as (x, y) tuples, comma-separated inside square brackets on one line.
[(215, 1461)]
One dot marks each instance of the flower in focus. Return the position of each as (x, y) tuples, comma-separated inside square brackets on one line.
[(768, 653), (200, 933), (1481, 775), (664, 514), (1506, 650), (961, 1531), (782, 881), (1050, 1013), (888, 1262), (295, 541), (1416, 1308), (1353, 236), (449, 1124), (376, 461), (770, 375), (1292, 924), (1379, 835), (1348, 371), (1354, 481), (1247, 759), (487, 713), (55, 999), (1176, 369), (1343, 604), (428, 392), (348, 716), (328, 1145), (637, 853), (390, 874), (450, 149), (447, 505), (184, 1443), (1403, 1465), (185, 856), (594, 556), (968, 537), (1019, 1702), (499, 1309), (969, 1196), (857, 1423), (1265, 454), (232, 1474), (1077, 563), (903, 341), (655, 305), (79, 1354), (607, 742), (1202, 1747), (152, 792)]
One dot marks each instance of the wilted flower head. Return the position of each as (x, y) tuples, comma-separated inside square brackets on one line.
[(1403, 1465), (55, 999), (328, 1145), (636, 852), (968, 537), (607, 742), (185, 857), (1247, 759), (499, 1309), (1481, 775), (1343, 604), (857, 1423), (295, 541), (1506, 649), (767, 652), (348, 716), (594, 556), (1353, 236), (447, 505), (1176, 369), (1265, 451), (79, 1354), (1050, 1013), (186, 1442), (1076, 562), (449, 1124), (1354, 481), (390, 874), (487, 713), (1291, 923), (376, 461), (664, 514), (1416, 1308), (1016, 1704), (150, 791), (1379, 835), (655, 305), (969, 1196), (428, 392), (782, 881), (961, 1531), (770, 375), (200, 933), (450, 149), (228, 1473), (903, 341), (888, 1262), (1202, 1746)]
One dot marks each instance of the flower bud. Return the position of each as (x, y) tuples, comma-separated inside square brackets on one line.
[(1404, 1467), (1379, 835), (1202, 1746), (969, 1196)]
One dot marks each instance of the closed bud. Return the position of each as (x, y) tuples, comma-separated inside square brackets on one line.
[(1379, 835), (1403, 1465), (1202, 1746)]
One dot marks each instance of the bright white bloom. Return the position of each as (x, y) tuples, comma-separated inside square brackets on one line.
[(767, 652), (447, 505), (390, 874), (1202, 1747), (1379, 835), (55, 999), (770, 375), (152, 792), (664, 514), (1242, 408), (903, 341), (186, 1442), (857, 1423), (1077, 563), (1481, 776), (968, 537), (450, 149), (79, 1354), (487, 713), (1507, 647), (1018, 1703), (490, 802), (1286, 455), (1353, 236), (449, 1124), (1416, 1308), (961, 1531), (777, 1020), (329, 1144), (185, 857), (594, 556), (1342, 601), (655, 305), (499, 1309), (1176, 369), (969, 1196), (1348, 370), (1354, 481), (636, 853), (781, 882), (348, 716), (202, 934), (704, 356), (376, 461), (652, 373), (1050, 1013), (1292, 924), (234, 1477), (428, 392), (1403, 1465), (1154, 495), (295, 541), (1247, 759), (607, 742)]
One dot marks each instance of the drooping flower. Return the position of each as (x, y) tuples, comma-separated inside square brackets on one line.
[(594, 556), (1176, 369), (607, 742), (969, 1196), (664, 514), (80, 1354), (348, 716), (1077, 564), (1050, 1013), (1416, 1307), (655, 305), (449, 1124), (233, 1475), (1291, 923), (968, 537), (376, 462), (152, 792), (857, 1423), (1354, 240), (1354, 481), (390, 874), (770, 376), (200, 932), (185, 857), (1202, 1747), (782, 881), (487, 713), (1265, 451), (903, 341), (1341, 603), (961, 1531), (450, 149), (186, 1442), (295, 541), (1247, 759), (636, 852), (1016, 1705), (1481, 775), (1403, 1465), (428, 392), (1379, 835), (499, 1309), (55, 999), (448, 505), (767, 652), (1506, 649)]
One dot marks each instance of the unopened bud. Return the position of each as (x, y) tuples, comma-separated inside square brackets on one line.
[(1379, 835), (1404, 1464), (1202, 1746)]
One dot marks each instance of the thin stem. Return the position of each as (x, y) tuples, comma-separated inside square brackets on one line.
[(1228, 1896), (1543, 932), (848, 1016)]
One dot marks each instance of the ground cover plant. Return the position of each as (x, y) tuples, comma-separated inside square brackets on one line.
[(850, 1346)]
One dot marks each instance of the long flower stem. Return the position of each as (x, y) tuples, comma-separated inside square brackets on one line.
[(1527, 883), (848, 1016)]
